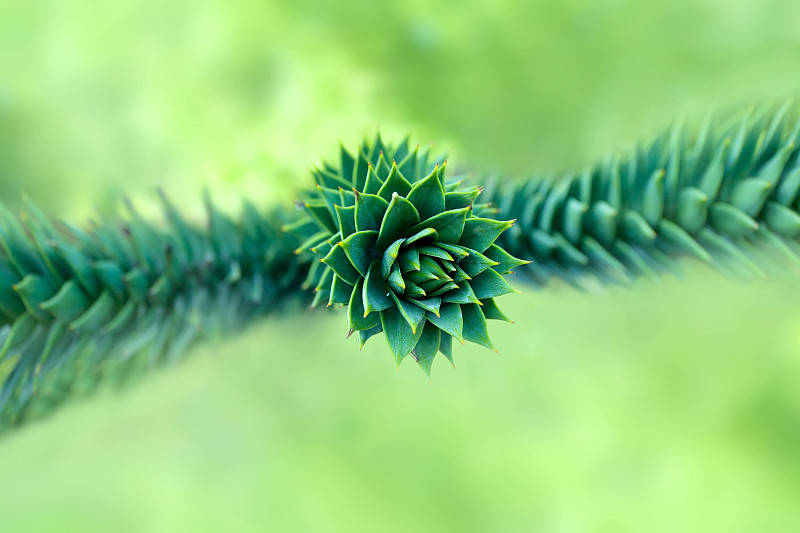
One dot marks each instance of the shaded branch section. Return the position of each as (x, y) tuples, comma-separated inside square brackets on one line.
[(81, 307)]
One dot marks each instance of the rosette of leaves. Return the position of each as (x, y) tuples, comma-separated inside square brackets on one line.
[(408, 257)]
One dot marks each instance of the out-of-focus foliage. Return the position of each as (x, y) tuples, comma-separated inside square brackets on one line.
[(243, 94), (655, 408), (725, 194), (82, 307)]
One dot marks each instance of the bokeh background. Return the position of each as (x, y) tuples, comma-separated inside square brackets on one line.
[(670, 407)]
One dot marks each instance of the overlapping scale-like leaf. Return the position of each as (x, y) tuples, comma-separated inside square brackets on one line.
[(726, 195), (407, 254), (124, 296)]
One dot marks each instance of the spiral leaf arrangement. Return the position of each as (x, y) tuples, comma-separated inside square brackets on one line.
[(408, 258), (410, 253), (726, 196)]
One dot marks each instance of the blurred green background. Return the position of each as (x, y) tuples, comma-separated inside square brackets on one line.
[(661, 408)]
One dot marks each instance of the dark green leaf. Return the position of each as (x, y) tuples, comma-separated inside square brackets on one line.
[(357, 317), (492, 312), (409, 260), (460, 275), (68, 303), (373, 183), (750, 195), (677, 237), (21, 331), (400, 216), (428, 233), (376, 292), (480, 233), (429, 304), (389, 258), (449, 225), (33, 290), (475, 263), (636, 228), (461, 294), (446, 347), (419, 277), (395, 280), (330, 197), (398, 333), (122, 318), (413, 314), (505, 261), (449, 320), (137, 284), (782, 219), (490, 284), (360, 249), (346, 164), (427, 346), (475, 326), (459, 200), (602, 222), (428, 196), (341, 292), (435, 251), (100, 313), (445, 288), (457, 251), (395, 183), (692, 212), (370, 210), (413, 290), (338, 261), (346, 217), (653, 198), (365, 335), (430, 265), (348, 198), (731, 220), (320, 214)]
